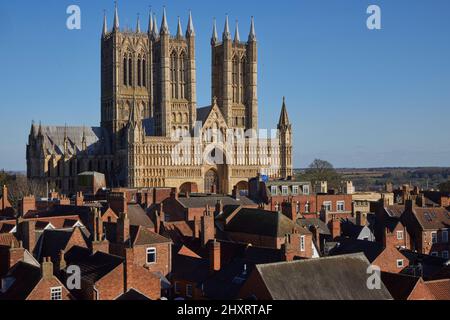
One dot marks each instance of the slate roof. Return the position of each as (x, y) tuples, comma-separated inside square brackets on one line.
[(97, 139), (26, 277), (138, 216), (400, 286), (395, 211), (432, 218), (312, 222), (262, 222), (203, 113), (200, 201), (133, 295), (93, 267), (331, 278), (369, 248)]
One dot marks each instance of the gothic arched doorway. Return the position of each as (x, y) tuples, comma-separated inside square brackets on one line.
[(211, 181)]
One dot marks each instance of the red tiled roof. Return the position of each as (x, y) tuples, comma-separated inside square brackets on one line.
[(7, 238), (439, 288), (432, 218)]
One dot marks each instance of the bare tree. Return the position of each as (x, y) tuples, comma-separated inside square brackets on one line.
[(321, 170), (21, 187)]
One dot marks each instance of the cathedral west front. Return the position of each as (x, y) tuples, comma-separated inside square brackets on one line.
[(152, 133)]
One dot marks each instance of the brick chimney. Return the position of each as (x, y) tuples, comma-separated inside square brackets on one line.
[(79, 199), (174, 193), (47, 268), (335, 227), (61, 261), (207, 227), (157, 222), (27, 204), (118, 202), (15, 254), (289, 209), (219, 207), (197, 227), (235, 193), (214, 256), (123, 228), (26, 232), (409, 204)]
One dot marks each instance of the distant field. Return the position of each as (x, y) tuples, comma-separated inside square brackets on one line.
[(375, 178)]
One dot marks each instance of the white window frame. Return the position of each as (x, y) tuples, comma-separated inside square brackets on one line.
[(400, 235), (302, 243), (305, 189), (56, 292), (327, 204), (434, 238), (295, 190), (274, 190), (444, 239), (285, 190), (147, 253), (340, 203), (400, 263), (191, 289)]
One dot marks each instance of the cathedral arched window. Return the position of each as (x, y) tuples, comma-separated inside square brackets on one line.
[(182, 75), (144, 73), (173, 75), (235, 79), (139, 74), (125, 72), (130, 72), (242, 81)]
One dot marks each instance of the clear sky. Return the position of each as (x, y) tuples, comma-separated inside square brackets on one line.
[(357, 98)]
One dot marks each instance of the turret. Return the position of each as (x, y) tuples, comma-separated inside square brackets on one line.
[(237, 37), (190, 32), (138, 24), (214, 37), (226, 32), (285, 140), (116, 18), (105, 26), (179, 29), (150, 24), (164, 25), (252, 34)]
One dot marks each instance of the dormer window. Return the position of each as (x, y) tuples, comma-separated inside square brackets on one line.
[(295, 189), (285, 190)]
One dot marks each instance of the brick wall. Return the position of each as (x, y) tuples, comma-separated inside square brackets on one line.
[(387, 260), (42, 290)]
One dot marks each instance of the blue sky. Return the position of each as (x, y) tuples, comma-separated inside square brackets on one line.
[(357, 98)]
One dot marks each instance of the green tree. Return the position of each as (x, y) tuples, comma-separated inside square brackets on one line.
[(321, 170), (445, 186)]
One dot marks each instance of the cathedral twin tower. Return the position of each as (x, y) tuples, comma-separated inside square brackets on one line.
[(148, 93)]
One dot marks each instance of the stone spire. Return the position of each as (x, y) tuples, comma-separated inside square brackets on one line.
[(116, 18), (105, 26), (164, 25), (155, 26), (252, 35), (214, 37), (150, 23), (179, 29), (237, 37), (226, 32), (138, 24), (190, 32), (284, 118)]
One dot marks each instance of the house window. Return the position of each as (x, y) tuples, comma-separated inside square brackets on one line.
[(189, 291), (400, 263), (177, 287), (435, 254), (327, 205), (294, 189), (340, 206), (444, 236), (56, 293), (399, 235), (445, 254), (284, 190), (302, 243), (273, 190), (306, 189), (151, 255), (434, 237)]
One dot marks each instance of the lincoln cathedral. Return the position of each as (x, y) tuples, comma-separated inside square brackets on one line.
[(151, 133)]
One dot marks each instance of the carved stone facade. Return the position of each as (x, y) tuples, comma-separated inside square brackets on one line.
[(152, 134)]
